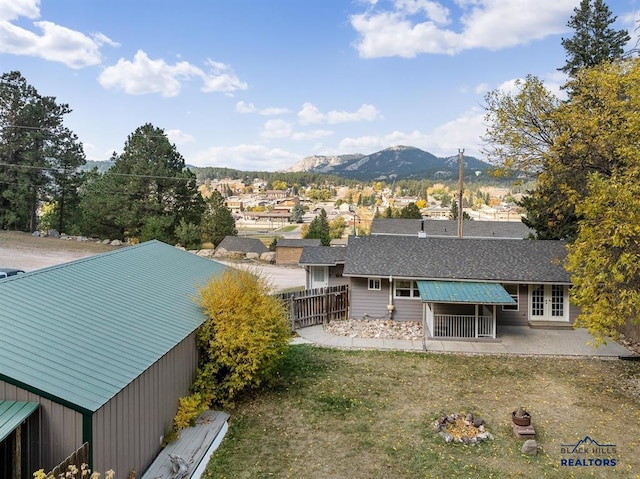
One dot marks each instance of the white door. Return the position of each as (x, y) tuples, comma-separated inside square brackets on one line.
[(548, 302), (320, 277)]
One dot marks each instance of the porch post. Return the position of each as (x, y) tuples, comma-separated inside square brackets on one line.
[(493, 335), (475, 322)]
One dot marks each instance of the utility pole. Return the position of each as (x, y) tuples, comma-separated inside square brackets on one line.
[(460, 190)]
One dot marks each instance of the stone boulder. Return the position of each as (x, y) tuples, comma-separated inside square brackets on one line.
[(268, 257), (530, 447)]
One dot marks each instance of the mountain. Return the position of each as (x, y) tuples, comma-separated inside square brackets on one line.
[(397, 162)]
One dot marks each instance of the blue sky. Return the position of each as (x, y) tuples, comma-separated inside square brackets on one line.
[(261, 84)]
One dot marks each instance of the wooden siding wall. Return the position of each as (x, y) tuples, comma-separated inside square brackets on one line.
[(335, 276), (128, 430), (60, 428), (288, 254)]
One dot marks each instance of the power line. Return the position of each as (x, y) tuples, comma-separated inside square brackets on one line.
[(132, 175)]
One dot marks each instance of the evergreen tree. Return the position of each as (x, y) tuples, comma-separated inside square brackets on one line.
[(217, 221), (146, 193), (594, 41), (319, 229), (33, 143), (297, 213), (411, 211)]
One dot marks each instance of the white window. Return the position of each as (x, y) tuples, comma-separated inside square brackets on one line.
[(512, 289), (374, 284), (318, 275), (406, 288)]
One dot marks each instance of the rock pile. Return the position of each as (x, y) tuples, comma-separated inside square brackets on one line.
[(462, 428), (376, 328)]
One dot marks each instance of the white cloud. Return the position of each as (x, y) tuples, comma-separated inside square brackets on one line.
[(221, 79), (273, 110), (364, 113), (53, 42), (416, 27), (244, 107), (273, 129), (445, 140), (144, 75), (246, 157), (179, 137), (311, 114), (13, 9)]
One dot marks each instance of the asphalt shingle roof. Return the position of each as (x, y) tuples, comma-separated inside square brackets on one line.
[(242, 244), (526, 261), (82, 331), (449, 228), (322, 255), (298, 243)]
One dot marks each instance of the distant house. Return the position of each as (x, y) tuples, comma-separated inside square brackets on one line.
[(458, 288), (288, 250), (239, 246), (98, 351), (449, 228)]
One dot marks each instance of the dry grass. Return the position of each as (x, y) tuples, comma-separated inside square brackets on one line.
[(24, 241), (366, 414)]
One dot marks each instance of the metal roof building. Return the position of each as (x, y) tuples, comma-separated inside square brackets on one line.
[(105, 346)]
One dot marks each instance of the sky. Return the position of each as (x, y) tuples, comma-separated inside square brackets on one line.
[(261, 84)]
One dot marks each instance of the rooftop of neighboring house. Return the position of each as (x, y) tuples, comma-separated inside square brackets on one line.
[(449, 228), (322, 255), (242, 245), (298, 243), (473, 259)]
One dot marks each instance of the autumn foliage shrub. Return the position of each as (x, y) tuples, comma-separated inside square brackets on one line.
[(244, 339)]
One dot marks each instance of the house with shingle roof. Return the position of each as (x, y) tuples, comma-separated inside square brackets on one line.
[(458, 288), (239, 246), (449, 228), (324, 266), (98, 351), (289, 250)]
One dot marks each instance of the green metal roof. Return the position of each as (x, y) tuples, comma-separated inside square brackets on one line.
[(463, 292), (81, 331), (12, 414)]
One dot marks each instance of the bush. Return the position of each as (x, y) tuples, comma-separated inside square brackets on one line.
[(189, 408), (244, 340)]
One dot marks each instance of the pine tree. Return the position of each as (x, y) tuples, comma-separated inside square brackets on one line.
[(217, 221), (594, 41), (319, 229)]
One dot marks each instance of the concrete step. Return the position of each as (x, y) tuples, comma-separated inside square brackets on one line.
[(550, 325)]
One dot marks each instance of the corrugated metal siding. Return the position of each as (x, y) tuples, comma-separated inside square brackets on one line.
[(60, 428), (127, 430), (99, 322)]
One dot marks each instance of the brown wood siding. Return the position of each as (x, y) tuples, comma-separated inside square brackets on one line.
[(60, 428), (288, 255), (127, 431)]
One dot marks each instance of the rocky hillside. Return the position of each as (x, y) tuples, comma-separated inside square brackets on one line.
[(397, 162)]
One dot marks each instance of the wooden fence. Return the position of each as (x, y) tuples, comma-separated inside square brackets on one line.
[(78, 458), (316, 306)]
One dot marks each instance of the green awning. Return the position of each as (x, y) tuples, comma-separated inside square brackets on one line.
[(12, 414), (463, 292)]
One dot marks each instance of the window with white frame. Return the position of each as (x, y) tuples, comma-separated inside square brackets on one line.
[(374, 284), (318, 274), (405, 288), (512, 289)]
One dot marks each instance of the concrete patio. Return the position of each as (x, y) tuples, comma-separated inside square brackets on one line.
[(520, 340)]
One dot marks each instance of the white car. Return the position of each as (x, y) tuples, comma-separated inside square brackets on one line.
[(6, 272)]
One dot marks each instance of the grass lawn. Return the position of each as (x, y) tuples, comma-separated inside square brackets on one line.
[(370, 414)]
